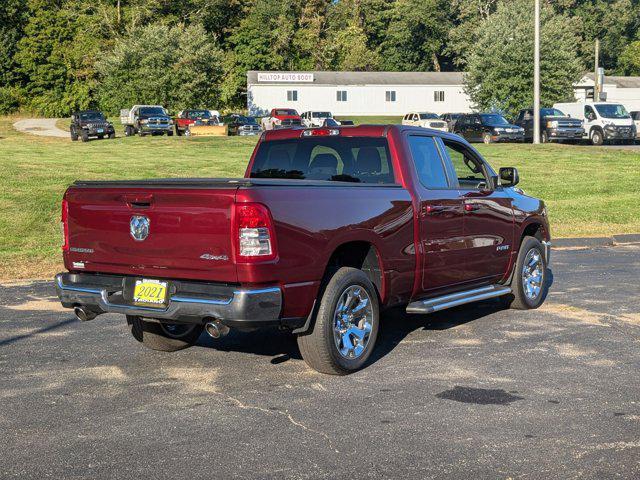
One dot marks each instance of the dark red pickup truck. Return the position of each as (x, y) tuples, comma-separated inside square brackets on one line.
[(328, 227)]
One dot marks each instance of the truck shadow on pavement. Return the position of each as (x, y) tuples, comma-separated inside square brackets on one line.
[(395, 326)]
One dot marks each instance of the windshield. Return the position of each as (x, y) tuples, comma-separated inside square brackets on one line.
[(337, 159), (428, 116), (321, 114), (199, 114), (551, 112), (286, 112), (612, 111), (92, 116), (493, 119), (148, 111), (242, 119)]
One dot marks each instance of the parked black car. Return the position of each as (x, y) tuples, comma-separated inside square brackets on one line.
[(90, 123), (554, 125), (451, 119), (487, 128), (242, 125)]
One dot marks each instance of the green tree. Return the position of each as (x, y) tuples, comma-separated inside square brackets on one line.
[(261, 41), (416, 35), (614, 22), (629, 60), (467, 16), (183, 69), (500, 67), (56, 56)]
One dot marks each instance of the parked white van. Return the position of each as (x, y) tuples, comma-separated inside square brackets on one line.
[(602, 121)]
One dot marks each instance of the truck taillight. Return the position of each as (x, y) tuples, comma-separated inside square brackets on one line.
[(64, 225), (256, 237)]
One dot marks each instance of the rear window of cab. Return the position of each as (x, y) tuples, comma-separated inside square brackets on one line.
[(336, 159)]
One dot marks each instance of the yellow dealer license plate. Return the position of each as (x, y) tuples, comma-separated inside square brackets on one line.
[(151, 293)]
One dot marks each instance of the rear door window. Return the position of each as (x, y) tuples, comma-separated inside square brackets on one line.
[(338, 159)]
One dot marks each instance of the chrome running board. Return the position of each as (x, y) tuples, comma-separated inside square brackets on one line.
[(453, 300)]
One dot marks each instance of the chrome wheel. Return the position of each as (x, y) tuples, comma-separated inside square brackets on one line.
[(532, 274), (176, 330), (352, 321)]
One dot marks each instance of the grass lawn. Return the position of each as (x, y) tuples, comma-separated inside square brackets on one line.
[(589, 191)]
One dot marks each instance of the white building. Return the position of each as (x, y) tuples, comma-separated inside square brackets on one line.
[(357, 93), (624, 90)]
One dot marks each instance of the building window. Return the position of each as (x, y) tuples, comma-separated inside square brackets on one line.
[(292, 95), (390, 95), (341, 95), (438, 96)]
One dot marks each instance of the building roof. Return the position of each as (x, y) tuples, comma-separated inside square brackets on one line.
[(369, 78), (618, 81)]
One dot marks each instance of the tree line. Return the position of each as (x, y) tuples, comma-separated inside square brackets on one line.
[(57, 56)]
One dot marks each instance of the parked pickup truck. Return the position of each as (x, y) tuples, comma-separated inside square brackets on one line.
[(281, 118), (146, 119), (327, 228), (555, 126)]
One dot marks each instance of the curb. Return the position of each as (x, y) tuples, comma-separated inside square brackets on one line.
[(590, 242)]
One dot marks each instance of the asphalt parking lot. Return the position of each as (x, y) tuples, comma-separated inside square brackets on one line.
[(473, 392)]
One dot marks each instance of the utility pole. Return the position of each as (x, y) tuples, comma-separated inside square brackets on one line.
[(119, 14), (596, 85), (536, 75)]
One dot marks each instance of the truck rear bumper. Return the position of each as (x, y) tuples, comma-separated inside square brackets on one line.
[(188, 302)]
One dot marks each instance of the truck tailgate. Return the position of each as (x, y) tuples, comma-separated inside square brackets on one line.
[(189, 231)]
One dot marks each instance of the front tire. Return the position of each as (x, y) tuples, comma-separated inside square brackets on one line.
[(346, 325), (84, 136), (529, 281), (164, 337), (597, 138), (74, 134)]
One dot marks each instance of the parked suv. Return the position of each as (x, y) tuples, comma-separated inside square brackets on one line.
[(328, 227), (554, 125), (451, 119), (488, 128), (425, 120), (314, 119), (90, 123)]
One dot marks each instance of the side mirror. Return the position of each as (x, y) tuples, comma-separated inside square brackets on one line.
[(509, 176)]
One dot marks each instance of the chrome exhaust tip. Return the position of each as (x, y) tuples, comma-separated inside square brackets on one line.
[(83, 314), (216, 329)]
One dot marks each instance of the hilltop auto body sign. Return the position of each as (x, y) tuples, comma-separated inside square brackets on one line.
[(285, 77)]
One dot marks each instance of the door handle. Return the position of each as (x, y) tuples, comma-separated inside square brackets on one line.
[(471, 207)]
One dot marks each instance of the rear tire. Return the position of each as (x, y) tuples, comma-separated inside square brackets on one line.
[(178, 131), (170, 133), (346, 325), (529, 281), (164, 337)]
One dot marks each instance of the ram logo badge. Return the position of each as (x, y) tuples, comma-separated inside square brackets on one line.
[(139, 227)]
